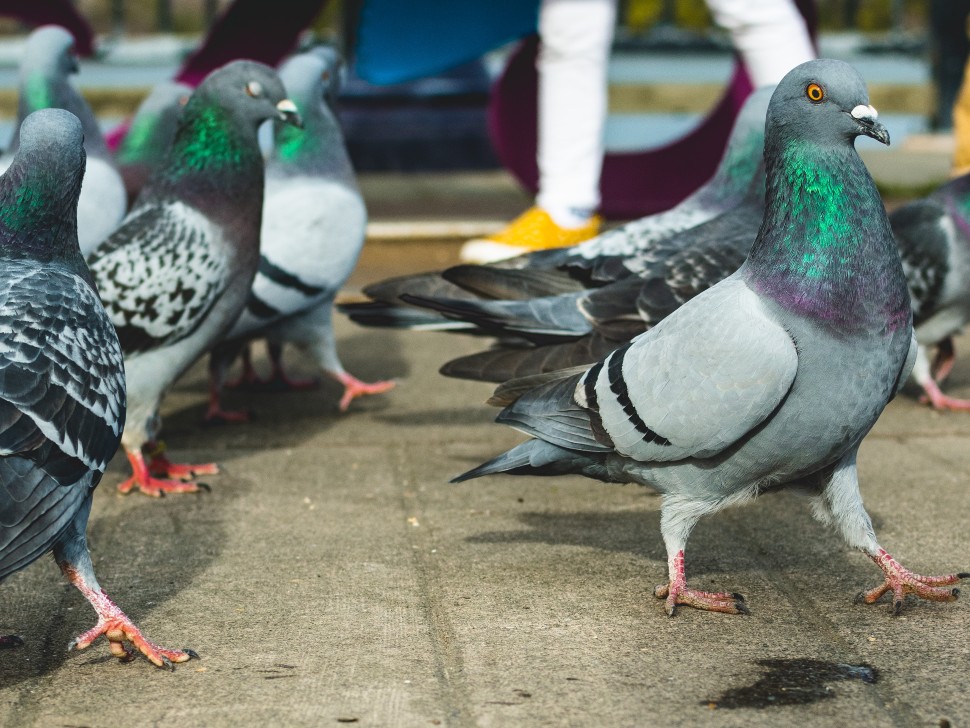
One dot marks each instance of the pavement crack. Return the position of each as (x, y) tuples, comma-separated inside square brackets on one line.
[(448, 662)]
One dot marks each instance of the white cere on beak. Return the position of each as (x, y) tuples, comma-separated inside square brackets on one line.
[(868, 113), (286, 106)]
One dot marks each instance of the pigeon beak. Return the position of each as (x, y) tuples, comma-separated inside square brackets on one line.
[(866, 117), (289, 113)]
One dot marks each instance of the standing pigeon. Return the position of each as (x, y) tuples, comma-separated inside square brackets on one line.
[(314, 222), (771, 377), (175, 275), (62, 386), (934, 241), (612, 256), (47, 63), (151, 132)]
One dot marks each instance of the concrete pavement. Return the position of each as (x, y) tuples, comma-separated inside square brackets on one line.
[(332, 576)]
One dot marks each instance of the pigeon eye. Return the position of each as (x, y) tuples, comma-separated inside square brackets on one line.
[(254, 89), (814, 93), (325, 76)]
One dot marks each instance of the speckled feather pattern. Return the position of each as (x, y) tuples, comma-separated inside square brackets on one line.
[(160, 274)]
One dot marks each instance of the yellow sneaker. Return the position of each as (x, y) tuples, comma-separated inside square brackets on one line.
[(532, 230)]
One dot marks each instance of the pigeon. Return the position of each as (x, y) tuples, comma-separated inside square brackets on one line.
[(47, 63), (151, 132), (933, 235), (62, 385), (314, 223), (770, 378), (175, 275), (594, 263)]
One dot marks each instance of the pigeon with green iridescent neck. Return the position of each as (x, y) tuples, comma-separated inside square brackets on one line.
[(933, 235), (612, 256), (175, 275), (62, 385), (314, 221), (150, 133), (768, 379), (45, 68)]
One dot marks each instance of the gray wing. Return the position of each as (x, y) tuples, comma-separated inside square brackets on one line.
[(62, 405), (697, 382), (160, 274), (62, 388), (690, 387)]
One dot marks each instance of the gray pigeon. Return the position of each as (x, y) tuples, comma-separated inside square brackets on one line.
[(772, 376), (314, 222), (47, 63), (150, 133), (175, 275), (614, 255), (62, 386), (934, 241)]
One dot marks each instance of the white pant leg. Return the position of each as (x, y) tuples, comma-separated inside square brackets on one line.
[(576, 39), (770, 35)]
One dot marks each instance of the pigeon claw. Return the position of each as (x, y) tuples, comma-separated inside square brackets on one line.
[(901, 581), (934, 397), (163, 467), (679, 594), (354, 388), (158, 487), (120, 632)]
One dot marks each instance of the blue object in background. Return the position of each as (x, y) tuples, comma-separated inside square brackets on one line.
[(401, 40)]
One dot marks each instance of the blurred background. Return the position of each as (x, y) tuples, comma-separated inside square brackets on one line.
[(670, 66)]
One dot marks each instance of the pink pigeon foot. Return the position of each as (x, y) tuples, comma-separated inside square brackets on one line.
[(676, 592), (354, 388), (901, 581), (937, 400), (118, 628), (142, 479)]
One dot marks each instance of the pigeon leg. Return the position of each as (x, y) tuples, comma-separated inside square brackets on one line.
[(944, 360), (279, 377), (141, 478), (676, 592), (933, 395), (112, 622), (248, 377), (844, 502), (901, 581), (677, 519), (219, 361), (354, 388)]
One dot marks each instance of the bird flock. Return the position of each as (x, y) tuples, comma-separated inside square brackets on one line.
[(746, 340)]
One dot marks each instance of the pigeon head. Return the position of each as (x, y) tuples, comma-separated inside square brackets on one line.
[(250, 92), (826, 102), (215, 144), (39, 191), (312, 76), (825, 248), (49, 50)]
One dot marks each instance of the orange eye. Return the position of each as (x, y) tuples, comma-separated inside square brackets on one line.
[(814, 93), (254, 89)]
